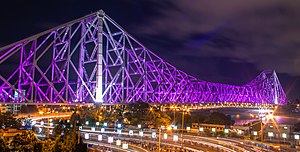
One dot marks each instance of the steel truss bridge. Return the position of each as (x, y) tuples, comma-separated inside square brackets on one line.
[(93, 59)]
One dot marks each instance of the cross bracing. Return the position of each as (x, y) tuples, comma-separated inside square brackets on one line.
[(93, 59)]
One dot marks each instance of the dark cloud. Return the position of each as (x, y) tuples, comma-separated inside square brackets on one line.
[(252, 31), (226, 41)]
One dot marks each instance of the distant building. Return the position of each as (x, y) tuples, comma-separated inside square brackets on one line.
[(208, 127), (279, 132)]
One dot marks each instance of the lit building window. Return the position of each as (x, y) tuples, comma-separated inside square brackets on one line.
[(284, 135), (270, 134), (285, 127)]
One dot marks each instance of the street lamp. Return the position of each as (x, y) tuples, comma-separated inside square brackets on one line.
[(284, 136), (86, 136), (165, 136), (270, 134), (175, 138), (99, 137), (105, 124), (182, 124)]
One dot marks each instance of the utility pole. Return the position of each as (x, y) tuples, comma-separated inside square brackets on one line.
[(182, 128)]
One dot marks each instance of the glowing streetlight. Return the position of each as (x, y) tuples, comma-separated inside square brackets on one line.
[(105, 124), (125, 146), (119, 131), (297, 137), (97, 123), (153, 134), (99, 137), (118, 142), (175, 138), (165, 136), (130, 132), (226, 130), (110, 140), (141, 133), (201, 129), (87, 123), (86, 136)]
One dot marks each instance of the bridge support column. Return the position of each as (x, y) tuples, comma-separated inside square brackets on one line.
[(99, 98)]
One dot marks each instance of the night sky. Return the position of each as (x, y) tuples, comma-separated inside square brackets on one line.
[(224, 41)]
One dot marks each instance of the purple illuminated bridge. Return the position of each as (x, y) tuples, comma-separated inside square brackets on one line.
[(93, 59)]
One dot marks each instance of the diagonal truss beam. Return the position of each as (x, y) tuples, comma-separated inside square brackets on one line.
[(93, 59)]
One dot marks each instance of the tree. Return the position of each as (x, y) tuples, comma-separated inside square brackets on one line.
[(27, 141), (49, 145), (8, 121), (3, 144), (297, 126), (219, 118)]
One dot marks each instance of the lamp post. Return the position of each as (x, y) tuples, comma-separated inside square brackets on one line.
[(182, 125)]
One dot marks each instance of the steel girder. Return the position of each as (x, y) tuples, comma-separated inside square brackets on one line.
[(94, 59)]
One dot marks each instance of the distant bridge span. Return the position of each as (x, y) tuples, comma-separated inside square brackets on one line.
[(93, 59)]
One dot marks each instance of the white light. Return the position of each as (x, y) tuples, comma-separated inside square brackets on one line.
[(130, 132), (141, 133), (86, 136), (50, 132), (297, 137), (119, 125), (51, 124), (175, 127), (99, 92), (97, 123), (68, 121), (118, 142), (105, 124), (80, 127), (213, 129), (99, 137), (102, 130), (240, 132), (284, 135), (188, 128), (110, 140), (201, 129), (125, 146), (50, 120), (87, 122), (93, 128), (153, 134), (40, 130), (165, 136), (175, 138), (255, 133), (226, 130), (270, 134), (42, 123), (119, 131), (139, 126)]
